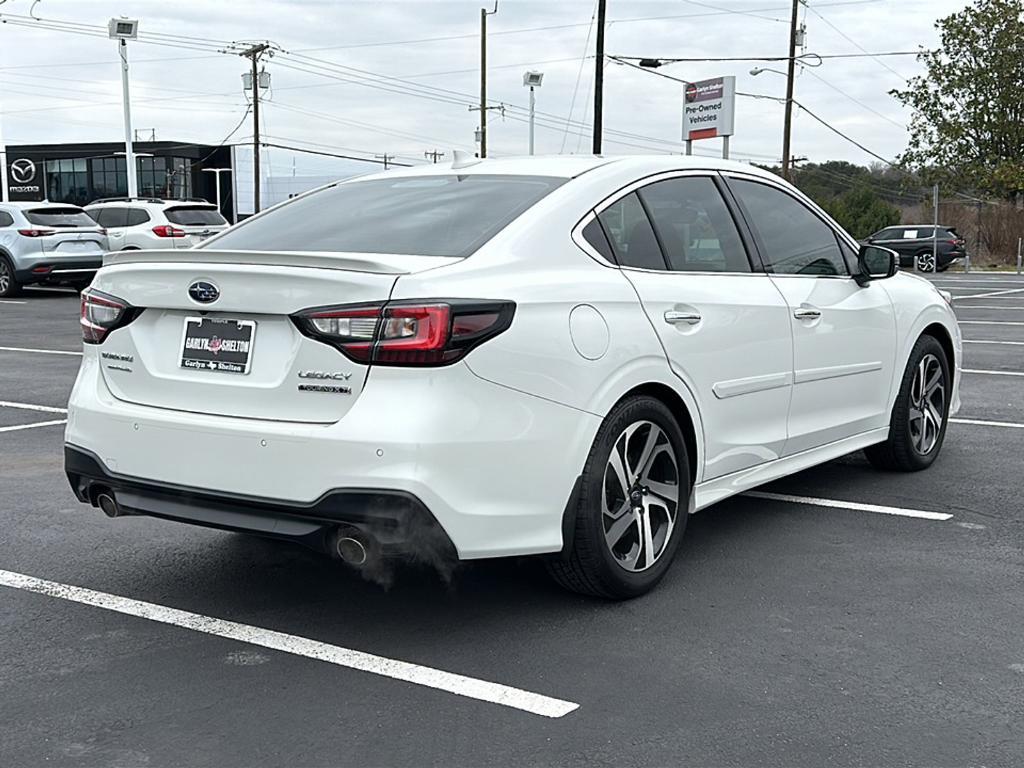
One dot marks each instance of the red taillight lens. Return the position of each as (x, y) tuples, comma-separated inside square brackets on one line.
[(166, 230), (406, 332), (37, 232), (102, 313)]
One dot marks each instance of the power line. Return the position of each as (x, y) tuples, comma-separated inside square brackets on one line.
[(579, 74)]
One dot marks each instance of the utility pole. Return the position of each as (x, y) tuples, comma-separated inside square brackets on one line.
[(599, 77), (253, 53), (434, 155), (484, 13), (386, 158), (787, 127)]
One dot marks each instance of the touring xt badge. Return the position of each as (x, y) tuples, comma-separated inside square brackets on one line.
[(325, 376)]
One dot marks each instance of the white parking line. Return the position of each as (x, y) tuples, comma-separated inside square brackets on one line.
[(983, 423), (992, 373), (992, 341), (32, 407), (17, 427), (49, 351), (987, 306), (469, 687), (991, 322), (12, 301), (986, 295), (854, 505)]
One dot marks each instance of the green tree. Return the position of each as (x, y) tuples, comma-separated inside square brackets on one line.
[(861, 211), (968, 121)]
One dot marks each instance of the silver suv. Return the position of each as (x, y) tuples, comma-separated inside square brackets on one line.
[(47, 243), (143, 223)]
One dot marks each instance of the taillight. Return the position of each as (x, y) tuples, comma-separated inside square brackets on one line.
[(102, 313), (407, 332), (166, 230), (37, 232)]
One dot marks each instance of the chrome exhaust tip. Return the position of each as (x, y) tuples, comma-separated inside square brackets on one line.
[(353, 546), (107, 503)]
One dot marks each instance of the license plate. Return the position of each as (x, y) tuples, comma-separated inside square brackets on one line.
[(77, 245), (217, 344)]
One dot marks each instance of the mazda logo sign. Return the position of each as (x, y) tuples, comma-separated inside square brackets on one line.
[(204, 291), (23, 170)]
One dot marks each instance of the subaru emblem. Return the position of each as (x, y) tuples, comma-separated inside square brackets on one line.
[(203, 291)]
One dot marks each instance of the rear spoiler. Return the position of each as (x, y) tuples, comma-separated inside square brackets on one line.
[(377, 263)]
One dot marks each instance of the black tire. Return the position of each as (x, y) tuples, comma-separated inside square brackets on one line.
[(901, 452), (9, 285), (589, 566)]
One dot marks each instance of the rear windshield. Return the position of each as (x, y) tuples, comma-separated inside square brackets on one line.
[(425, 216), (195, 216), (59, 217)]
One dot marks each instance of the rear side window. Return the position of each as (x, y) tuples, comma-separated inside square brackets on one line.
[(6, 220), (631, 235), (111, 218), (794, 240), (425, 216), (889, 234), (696, 230), (59, 217), (137, 216), (595, 236), (195, 216)]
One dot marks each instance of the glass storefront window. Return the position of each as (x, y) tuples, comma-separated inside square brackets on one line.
[(82, 180)]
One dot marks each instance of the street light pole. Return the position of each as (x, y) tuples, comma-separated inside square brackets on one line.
[(124, 30), (532, 80), (217, 171)]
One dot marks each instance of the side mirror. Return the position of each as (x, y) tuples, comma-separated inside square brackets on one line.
[(875, 263)]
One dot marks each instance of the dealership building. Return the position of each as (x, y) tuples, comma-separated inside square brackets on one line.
[(81, 173)]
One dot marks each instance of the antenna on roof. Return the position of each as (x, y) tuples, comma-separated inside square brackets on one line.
[(462, 159)]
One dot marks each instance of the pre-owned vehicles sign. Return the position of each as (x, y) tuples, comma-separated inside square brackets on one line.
[(708, 108)]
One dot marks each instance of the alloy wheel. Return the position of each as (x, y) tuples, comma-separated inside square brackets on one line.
[(926, 262), (640, 496), (5, 277), (927, 404)]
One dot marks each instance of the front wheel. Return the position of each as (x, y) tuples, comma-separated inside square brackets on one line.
[(8, 282), (633, 504), (919, 417)]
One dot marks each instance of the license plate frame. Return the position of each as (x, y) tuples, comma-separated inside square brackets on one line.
[(199, 356)]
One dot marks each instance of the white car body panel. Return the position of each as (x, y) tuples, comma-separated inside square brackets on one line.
[(494, 444)]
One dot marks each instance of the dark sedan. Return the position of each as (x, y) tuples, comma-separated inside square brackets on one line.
[(918, 245)]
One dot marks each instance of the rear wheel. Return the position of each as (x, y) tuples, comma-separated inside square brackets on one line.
[(8, 282), (633, 504), (918, 423), (925, 261)]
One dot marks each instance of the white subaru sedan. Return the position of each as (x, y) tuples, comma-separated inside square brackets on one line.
[(560, 356)]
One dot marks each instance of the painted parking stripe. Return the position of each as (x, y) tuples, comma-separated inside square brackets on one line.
[(957, 305), (36, 425), (49, 351), (993, 341), (853, 505), (992, 373), (987, 295), (983, 423), (32, 407), (11, 301), (469, 687)]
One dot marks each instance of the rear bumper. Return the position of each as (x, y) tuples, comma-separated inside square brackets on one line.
[(495, 467), (50, 268), (399, 522)]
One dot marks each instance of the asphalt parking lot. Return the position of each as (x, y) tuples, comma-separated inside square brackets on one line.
[(797, 629)]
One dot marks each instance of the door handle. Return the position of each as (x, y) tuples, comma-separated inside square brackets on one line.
[(807, 313), (673, 317)]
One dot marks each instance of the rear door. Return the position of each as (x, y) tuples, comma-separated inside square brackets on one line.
[(138, 232), (114, 219), (844, 335), (724, 327)]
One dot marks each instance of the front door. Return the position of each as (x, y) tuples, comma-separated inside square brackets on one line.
[(724, 327), (844, 335)]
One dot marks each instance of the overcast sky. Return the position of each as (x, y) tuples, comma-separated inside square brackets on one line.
[(59, 86)]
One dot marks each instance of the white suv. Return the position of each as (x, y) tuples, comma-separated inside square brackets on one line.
[(146, 223), (559, 356)]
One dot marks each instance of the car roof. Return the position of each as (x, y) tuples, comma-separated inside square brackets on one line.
[(33, 205), (569, 166)]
